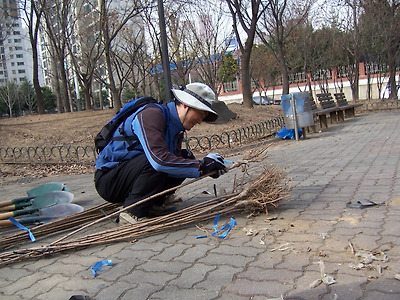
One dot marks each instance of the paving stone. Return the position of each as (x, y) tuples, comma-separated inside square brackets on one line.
[(260, 274), (180, 293), (171, 252), (192, 275), (373, 295), (57, 293), (24, 283), (140, 276), (41, 286), (270, 288), (161, 266), (221, 259), (194, 253), (218, 278), (140, 291), (386, 286)]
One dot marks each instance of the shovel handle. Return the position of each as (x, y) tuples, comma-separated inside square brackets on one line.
[(7, 208), (14, 201), (15, 213), (15, 206), (6, 223), (6, 215)]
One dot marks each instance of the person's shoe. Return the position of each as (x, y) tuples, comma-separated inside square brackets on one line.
[(161, 210), (170, 199), (127, 218)]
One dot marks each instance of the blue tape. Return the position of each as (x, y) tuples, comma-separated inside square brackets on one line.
[(227, 227), (227, 161), (20, 226), (97, 266)]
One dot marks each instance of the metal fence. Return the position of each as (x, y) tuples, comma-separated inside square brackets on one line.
[(87, 154)]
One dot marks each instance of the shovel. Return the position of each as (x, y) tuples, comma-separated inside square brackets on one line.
[(47, 214), (37, 191), (48, 199)]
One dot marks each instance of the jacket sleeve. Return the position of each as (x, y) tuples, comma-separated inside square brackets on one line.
[(149, 126)]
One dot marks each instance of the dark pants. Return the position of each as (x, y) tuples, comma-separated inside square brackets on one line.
[(132, 181)]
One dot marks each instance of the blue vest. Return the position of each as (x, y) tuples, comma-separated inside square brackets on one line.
[(117, 150)]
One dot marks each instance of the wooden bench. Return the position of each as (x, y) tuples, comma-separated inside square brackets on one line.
[(328, 107), (345, 109)]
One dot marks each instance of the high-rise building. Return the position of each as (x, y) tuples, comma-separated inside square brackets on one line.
[(15, 48)]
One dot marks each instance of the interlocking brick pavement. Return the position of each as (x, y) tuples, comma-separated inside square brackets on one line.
[(313, 232)]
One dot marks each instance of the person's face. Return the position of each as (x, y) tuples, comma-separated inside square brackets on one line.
[(193, 117)]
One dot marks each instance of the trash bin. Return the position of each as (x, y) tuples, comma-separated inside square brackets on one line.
[(303, 109)]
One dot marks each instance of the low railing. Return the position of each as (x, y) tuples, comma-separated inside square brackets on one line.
[(87, 154)]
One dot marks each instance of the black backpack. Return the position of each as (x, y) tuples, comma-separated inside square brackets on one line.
[(105, 135)]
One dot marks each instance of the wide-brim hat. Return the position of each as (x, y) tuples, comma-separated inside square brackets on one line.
[(199, 96)]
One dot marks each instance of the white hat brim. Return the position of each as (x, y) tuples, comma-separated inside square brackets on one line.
[(193, 102)]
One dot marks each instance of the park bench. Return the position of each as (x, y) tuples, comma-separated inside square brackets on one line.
[(345, 109), (327, 108)]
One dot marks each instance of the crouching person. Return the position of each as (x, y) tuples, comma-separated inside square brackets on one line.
[(152, 161)]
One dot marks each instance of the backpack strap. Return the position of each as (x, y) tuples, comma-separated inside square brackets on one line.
[(133, 141)]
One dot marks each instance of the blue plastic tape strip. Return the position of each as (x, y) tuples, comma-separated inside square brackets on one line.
[(20, 226), (227, 161), (227, 227), (97, 266)]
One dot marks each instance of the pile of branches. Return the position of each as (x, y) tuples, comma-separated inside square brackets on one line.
[(249, 195)]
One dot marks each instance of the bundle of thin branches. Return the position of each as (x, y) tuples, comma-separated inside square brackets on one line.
[(267, 190), (59, 225)]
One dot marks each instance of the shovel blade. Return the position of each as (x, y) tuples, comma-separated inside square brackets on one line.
[(52, 198), (47, 187), (53, 212)]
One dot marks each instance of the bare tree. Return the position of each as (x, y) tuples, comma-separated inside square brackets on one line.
[(208, 41), (33, 11), (112, 19), (276, 25), (27, 95), (136, 60), (9, 95), (57, 20), (245, 15), (83, 41), (384, 19)]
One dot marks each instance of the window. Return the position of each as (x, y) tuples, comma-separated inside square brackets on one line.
[(17, 40), (21, 71), (19, 56), (20, 63), (9, 41), (11, 55), (16, 32), (12, 64), (18, 48)]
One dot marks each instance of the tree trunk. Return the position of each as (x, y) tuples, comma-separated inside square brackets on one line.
[(36, 84), (246, 78), (64, 87)]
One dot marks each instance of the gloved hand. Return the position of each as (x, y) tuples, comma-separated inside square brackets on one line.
[(213, 162), (187, 154)]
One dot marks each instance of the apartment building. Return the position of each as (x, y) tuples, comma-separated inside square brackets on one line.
[(15, 48)]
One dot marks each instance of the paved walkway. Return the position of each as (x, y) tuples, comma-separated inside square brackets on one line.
[(315, 237)]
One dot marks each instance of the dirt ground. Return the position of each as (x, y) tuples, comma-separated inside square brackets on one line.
[(79, 128)]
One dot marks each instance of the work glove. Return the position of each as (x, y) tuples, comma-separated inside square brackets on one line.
[(185, 153), (213, 162)]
